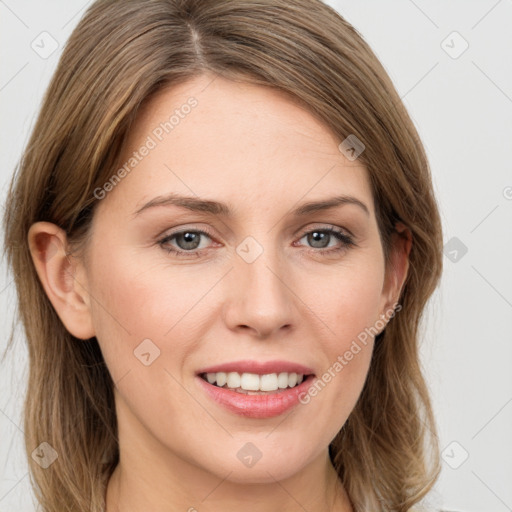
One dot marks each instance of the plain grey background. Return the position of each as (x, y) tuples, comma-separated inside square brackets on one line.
[(451, 62)]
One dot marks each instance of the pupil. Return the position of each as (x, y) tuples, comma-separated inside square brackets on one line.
[(318, 236), (189, 240)]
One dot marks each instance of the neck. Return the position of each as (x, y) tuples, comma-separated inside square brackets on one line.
[(137, 486), (151, 476)]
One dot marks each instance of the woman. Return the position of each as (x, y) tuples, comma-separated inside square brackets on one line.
[(224, 234)]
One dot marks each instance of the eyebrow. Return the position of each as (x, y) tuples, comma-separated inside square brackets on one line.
[(222, 209)]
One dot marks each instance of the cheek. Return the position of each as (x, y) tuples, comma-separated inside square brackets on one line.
[(126, 310), (145, 334), (347, 301), (138, 299), (343, 309)]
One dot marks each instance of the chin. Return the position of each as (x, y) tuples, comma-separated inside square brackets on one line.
[(248, 464), (263, 473)]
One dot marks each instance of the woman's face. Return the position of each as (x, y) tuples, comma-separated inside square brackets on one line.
[(258, 286)]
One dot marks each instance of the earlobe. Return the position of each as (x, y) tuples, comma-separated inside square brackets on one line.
[(401, 243), (62, 279)]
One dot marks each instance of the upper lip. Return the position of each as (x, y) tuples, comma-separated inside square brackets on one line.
[(258, 367)]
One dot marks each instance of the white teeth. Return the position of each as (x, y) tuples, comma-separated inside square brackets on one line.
[(269, 382), (255, 382), (250, 382), (221, 378), (233, 380), (282, 380)]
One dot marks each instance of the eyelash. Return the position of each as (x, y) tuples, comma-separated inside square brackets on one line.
[(347, 242)]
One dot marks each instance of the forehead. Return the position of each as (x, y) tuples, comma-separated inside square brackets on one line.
[(234, 141)]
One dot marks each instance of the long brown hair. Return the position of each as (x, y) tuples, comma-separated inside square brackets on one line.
[(119, 55)]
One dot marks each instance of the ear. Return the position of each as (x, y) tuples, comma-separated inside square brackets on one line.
[(396, 273), (62, 277)]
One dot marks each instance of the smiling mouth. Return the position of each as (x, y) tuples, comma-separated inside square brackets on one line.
[(253, 383)]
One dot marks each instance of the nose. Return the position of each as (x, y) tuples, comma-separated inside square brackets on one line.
[(260, 297)]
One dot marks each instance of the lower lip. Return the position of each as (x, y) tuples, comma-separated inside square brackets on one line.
[(257, 406)]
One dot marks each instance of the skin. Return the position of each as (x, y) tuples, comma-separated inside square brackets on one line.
[(257, 150)]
